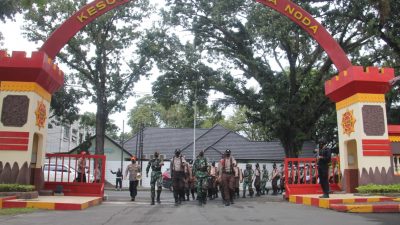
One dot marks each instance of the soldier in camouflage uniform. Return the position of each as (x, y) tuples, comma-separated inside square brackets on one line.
[(156, 176), (248, 174), (200, 170), (264, 180)]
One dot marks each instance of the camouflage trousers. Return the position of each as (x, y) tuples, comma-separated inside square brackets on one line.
[(263, 185), (156, 179), (202, 186), (248, 184)]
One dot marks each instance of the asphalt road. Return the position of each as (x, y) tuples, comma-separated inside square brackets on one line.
[(270, 210)]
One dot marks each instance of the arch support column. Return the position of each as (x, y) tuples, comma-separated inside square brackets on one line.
[(364, 146)]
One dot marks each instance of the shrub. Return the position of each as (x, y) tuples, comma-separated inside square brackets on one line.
[(376, 188), (16, 188)]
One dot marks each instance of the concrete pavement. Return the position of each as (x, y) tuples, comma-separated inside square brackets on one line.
[(271, 210)]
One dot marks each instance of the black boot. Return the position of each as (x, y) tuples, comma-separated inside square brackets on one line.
[(176, 197), (244, 194), (158, 196), (152, 197), (193, 195)]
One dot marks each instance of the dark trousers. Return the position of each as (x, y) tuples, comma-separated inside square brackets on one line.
[(323, 175), (118, 183), (228, 184), (133, 187), (81, 177), (275, 185), (178, 184)]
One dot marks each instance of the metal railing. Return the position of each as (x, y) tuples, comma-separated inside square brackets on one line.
[(301, 176), (75, 174)]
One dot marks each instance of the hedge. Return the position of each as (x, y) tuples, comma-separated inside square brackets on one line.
[(376, 188), (16, 188)]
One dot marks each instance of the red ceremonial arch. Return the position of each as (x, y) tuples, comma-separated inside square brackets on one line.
[(91, 11)]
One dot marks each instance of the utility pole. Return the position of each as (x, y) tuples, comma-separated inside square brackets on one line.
[(141, 147), (194, 131)]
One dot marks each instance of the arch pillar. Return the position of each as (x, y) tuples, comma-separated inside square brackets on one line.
[(26, 86), (364, 143)]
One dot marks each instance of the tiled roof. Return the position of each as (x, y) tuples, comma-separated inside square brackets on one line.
[(213, 141)]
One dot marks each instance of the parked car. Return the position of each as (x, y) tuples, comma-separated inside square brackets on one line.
[(61, 173)]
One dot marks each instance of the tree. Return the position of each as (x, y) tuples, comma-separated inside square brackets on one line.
[(235, 41), (97, 56), (152, 114), (88, 122)]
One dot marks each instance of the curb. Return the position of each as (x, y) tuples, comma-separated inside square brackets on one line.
[(369, 208), (348, 204), (9, 203)]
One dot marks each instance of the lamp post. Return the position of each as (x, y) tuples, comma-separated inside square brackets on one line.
[(194, 131)]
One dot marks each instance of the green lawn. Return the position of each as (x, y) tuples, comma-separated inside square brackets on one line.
[(15, 211)]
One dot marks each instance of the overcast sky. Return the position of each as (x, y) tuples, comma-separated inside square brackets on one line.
[(15, 41)]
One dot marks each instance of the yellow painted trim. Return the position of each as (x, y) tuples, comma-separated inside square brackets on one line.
[(376, 98), (292, 198), (360, 208), (85, 205), (306, 200), (394, 138), (373, 200), (25, 87), (1, 203), (40, 205), (349, 200), (323, 203)]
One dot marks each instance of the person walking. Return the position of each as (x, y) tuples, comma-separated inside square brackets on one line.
[(238, 180), (178, 175), (156, 177), (257, 180), (228, 177), (264, 180), (212, 180), (133, 170), (248, 175), (200, 170), (323, 160), (275, 177), (118, 179)]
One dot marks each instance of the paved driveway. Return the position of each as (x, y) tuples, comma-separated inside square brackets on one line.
[(118, 210)]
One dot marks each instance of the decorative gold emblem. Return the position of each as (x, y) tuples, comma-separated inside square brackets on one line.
[(348, 122), (40, 114)]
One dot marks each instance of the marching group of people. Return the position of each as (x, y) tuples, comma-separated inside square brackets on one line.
[(204, 178)]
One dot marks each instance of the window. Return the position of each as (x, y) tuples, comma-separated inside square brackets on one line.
[(67, 131)]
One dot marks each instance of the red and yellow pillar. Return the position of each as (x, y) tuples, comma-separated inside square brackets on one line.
[(364, 146), (26, 87)]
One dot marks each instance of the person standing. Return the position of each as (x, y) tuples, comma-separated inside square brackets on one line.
[(133, 170), (264, 180), (228, 177), (191, 181), (248, 174), (323, 159), (118, 179), (200, 170), (81, 168), (156, 177), (257, 180), (275, 177), (178, 175)]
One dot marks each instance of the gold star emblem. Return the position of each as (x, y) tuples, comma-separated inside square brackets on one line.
[(348, 122), (40, 114)]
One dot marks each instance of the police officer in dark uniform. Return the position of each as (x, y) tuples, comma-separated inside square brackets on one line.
[(323, 159)]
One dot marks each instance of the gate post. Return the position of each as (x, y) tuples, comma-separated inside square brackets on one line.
[(364, 145), (26, 86)]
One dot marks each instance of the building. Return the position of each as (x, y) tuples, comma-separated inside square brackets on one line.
[(63, 137)]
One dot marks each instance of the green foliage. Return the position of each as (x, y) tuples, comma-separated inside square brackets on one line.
[(377, 189), (16, 188), (152, 114), (101, 65)]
